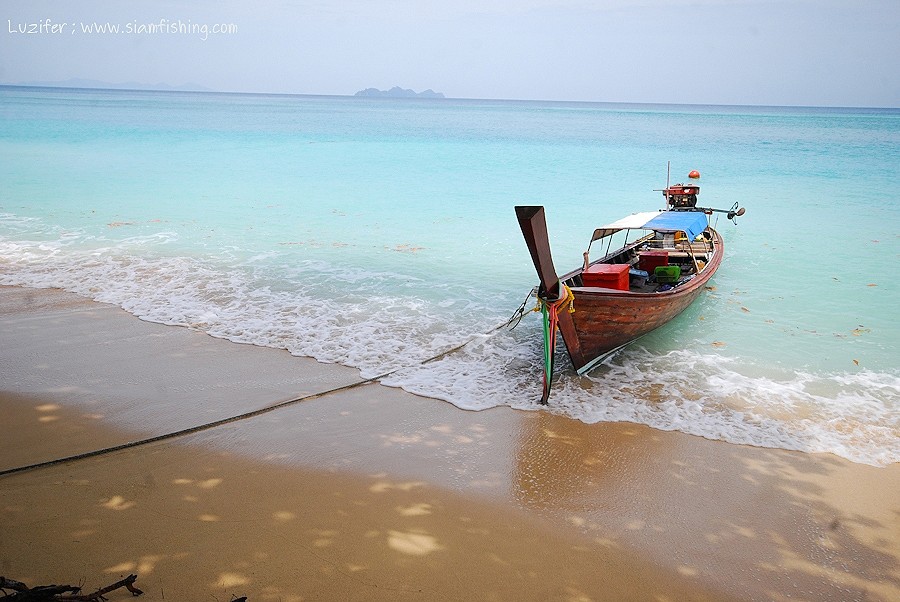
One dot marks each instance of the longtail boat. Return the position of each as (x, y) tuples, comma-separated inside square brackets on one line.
[(634, 289)]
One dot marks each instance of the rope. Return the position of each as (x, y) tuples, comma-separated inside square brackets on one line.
[(188, 431), (253, 413), (520, 312)]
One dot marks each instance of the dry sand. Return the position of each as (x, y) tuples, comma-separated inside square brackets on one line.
[(375, 494)]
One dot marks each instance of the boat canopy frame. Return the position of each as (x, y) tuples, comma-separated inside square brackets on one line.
[(692, 223)]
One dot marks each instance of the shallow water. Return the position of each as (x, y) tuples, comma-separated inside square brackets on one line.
[(378, 233)]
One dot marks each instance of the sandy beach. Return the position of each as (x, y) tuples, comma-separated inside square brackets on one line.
[(371, 493)]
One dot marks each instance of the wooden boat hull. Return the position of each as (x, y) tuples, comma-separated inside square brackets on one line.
[(606, 319)]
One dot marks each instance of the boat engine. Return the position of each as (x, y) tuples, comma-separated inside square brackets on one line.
[(681, 196)]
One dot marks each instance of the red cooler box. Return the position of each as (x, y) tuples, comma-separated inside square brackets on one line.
[(607, 276), (650, 260)]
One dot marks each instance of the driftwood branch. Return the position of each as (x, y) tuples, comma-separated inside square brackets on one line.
[(12, 584), (55, 593)]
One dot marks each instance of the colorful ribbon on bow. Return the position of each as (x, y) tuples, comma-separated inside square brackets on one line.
[(550, 317)]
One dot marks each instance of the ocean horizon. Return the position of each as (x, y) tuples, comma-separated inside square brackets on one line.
[(378, 233), (165, 88)]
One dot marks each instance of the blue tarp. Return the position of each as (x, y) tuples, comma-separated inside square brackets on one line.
[(691, 223)]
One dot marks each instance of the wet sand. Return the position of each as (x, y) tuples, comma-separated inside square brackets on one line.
[(375, 494)]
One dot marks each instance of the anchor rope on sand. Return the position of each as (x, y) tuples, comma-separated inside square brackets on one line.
[(253, 413)]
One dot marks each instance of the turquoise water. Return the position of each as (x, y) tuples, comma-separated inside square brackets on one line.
[(377, 233)]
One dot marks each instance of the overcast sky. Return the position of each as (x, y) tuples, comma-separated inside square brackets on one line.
[(772, 52)]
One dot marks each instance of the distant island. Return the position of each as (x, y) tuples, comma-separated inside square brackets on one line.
[(398, 92)]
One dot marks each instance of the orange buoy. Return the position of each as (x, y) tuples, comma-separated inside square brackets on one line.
[(694, 175)]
